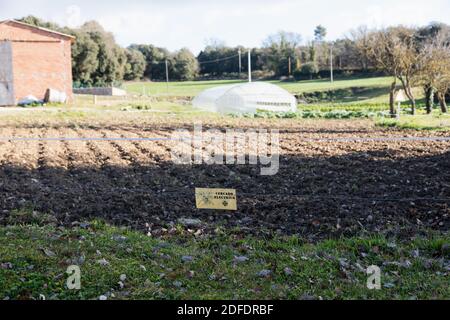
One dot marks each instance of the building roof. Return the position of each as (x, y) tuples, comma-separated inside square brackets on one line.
[(30, 26)]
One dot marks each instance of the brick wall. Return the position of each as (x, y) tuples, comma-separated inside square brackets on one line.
[(11, 30), (41, 60), (39, 66)]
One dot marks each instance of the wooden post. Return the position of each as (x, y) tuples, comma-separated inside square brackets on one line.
[(331, 64), (249, 65), (290, 67), (240, 63), (167, 76)]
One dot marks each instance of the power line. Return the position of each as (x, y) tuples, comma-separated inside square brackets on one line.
[(378, 139), (203, 62), (18, 139), (303, 197), (219, 59), (181, 138)]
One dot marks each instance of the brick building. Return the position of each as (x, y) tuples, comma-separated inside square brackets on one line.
[(33, 60)]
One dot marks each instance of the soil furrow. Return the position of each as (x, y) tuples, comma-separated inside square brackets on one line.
[(322, 189)]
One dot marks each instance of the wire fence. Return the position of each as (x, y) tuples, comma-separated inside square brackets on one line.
[(184, 138), (190, 192)]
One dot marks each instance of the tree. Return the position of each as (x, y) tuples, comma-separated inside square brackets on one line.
[(407, 56), (309, 69), (434, 40), (135, 66), (395, 51), (360, 38), (347, 55), (442, 89), (379, 49), (155, 58), (319, 49), (218, 60), (279, 48), (111, 58), (35, 21), (185, 65), (436, 67), (84, 58), (96, 57), (320, 33), (312, 52)]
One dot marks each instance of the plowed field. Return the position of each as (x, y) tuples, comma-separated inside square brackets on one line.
[(326, 186)]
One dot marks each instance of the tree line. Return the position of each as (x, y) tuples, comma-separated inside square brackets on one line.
[(412, 56), (99, 60)]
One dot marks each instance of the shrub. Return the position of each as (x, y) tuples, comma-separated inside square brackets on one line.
[(307, 70)]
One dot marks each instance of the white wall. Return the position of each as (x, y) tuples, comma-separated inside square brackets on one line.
[(106, 91), (6, 74)]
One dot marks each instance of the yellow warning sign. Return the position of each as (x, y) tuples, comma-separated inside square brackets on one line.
[(221, 199)]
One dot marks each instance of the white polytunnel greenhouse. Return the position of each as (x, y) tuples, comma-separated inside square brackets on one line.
[(246, 98)]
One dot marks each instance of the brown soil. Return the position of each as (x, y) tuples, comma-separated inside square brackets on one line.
[(323, 188)]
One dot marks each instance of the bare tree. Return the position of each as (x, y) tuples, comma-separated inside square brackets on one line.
[(360, 38), (442, 89), (395, 51), (435, 67), (432, 33), (379, 48)]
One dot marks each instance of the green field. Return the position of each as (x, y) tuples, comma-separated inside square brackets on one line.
[(117, 263), (192, 88), (342, 99), (219, 263), (435, 121)]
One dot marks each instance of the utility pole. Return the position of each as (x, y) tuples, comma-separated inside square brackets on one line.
[(331, 63), (167, 76), (249, 65), (290, 67), (240, 63)]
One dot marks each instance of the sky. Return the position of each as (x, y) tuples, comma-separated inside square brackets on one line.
[(175, 24)]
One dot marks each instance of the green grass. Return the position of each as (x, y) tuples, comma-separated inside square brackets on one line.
[(313, 114), (369, 95), (435, 121), (34, 259), (192, 88), (325, 84)]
